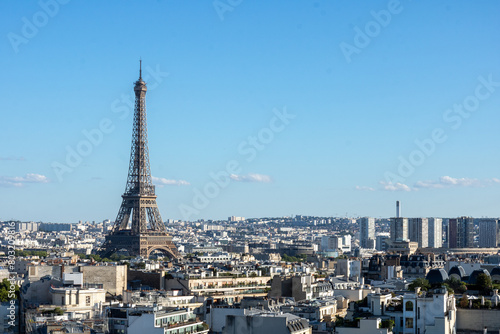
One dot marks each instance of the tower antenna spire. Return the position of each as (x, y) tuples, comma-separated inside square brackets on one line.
[(140, 68)]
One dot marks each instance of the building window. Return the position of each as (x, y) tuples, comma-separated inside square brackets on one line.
[(87, 300), (409, 323), (409, 306), (418, 312)]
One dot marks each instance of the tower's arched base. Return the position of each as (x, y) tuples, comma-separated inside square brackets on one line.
[(141, 245)]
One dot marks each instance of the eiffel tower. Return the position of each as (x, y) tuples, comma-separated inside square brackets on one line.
[(139, 199)]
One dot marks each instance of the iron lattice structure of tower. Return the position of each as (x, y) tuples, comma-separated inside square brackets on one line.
[(139, 200)]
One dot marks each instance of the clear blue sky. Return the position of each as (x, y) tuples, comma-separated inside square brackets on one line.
[(362, 88)]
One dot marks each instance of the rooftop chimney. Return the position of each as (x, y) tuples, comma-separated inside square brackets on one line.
[(397, 209)]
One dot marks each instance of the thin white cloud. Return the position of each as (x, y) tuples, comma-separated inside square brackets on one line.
[(448, 182), (441, 183), (160, 181), (428, 185), (19, 181), (365, 188), (389, 186), (11, 158), (251, 177)]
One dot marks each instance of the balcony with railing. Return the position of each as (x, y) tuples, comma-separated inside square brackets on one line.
[(230, 289), (189, 326)]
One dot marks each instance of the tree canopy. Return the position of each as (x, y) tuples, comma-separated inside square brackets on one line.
[(5, 296), (300, 258), (484, 283), (30, 253), (456, 285), (422, 283)]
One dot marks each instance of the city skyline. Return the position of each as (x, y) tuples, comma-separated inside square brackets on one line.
[(315, 109)]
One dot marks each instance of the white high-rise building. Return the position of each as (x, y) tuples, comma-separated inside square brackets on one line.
[(346, 243), (435, 232), (367, 232)]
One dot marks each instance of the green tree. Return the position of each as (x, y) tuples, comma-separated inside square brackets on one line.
[(464, 302), (21, 253), (30, 253), (288, 258), (487, 303), (419, 282), (476, 304), (96, 257), (38, 253), (450, 290), (387, 323), (5, 292), (484, 284), (457, 285)]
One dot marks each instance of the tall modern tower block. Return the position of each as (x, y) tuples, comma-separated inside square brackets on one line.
[(367, 232), (461, 232)]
